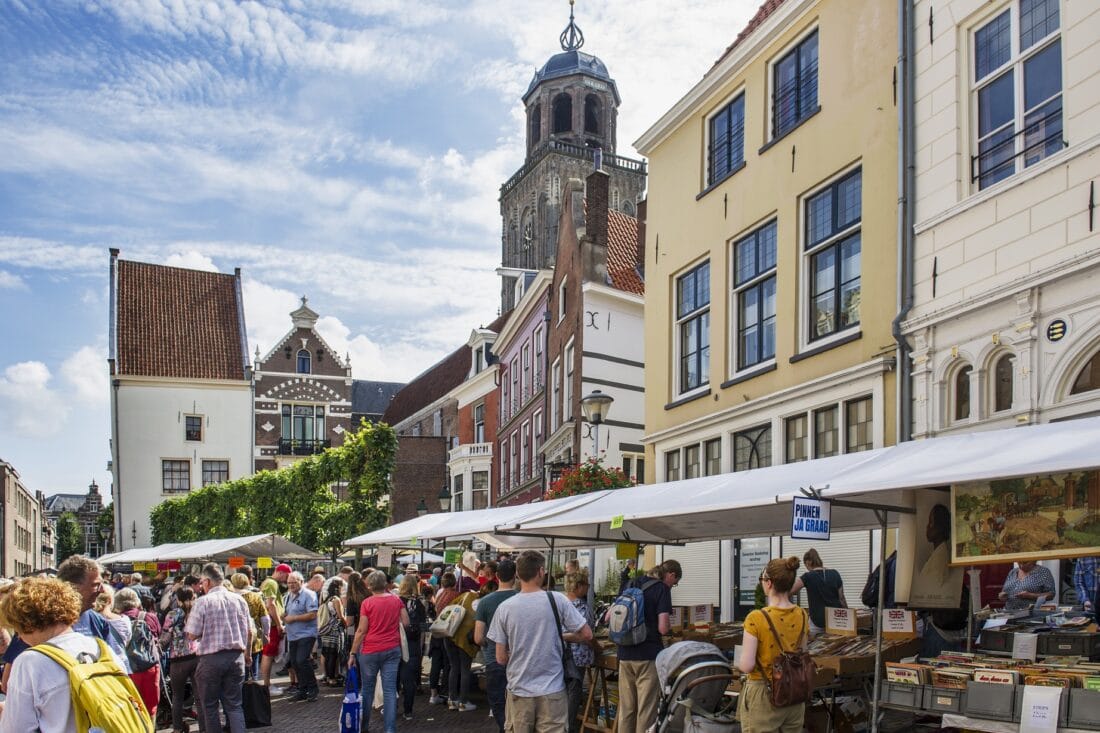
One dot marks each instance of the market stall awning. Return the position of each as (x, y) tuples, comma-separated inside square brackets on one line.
[(219, 550), (742, 504), (138, 554), (479, 523)]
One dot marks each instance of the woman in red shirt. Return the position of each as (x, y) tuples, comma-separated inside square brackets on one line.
[(377, 644)]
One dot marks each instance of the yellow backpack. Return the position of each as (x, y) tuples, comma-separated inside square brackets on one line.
[(103, 695)]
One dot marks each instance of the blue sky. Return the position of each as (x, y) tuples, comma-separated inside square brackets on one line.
[(347, 150)]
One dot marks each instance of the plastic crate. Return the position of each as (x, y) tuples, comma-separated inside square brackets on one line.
[(990, 701), (994, 640), (903, 695), (1069, 645), (1084, 709), (1063, 707), (945, 700)]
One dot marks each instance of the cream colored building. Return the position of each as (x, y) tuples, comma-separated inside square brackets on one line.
[(771, 259), (25, 545), (1005, 327)]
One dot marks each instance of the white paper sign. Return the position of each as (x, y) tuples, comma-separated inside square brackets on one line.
[(840, 621), (809, 519), (1025, 646), (975, 589), (897, 623), (384, 557), (1040, 708), (702, 613)]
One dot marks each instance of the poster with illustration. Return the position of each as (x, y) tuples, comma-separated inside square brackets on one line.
[(935, 583), (1026, 518)]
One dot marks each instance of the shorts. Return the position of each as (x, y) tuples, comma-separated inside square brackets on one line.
[(271, 648)]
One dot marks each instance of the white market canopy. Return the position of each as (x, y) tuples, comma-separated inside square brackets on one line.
[(220, 550), (758, 502)]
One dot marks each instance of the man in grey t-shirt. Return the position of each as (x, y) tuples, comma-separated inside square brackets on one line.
[(528, 642)]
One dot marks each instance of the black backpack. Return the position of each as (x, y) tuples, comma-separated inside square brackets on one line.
[(869, 596)]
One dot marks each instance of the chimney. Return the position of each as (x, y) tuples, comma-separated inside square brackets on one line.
[(594, 245)]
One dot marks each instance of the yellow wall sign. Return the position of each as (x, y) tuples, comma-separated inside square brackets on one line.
[(263, 562), (626, 551), (617, 522)]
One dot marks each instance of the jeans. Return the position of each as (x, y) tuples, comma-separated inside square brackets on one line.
[(182, 671), (410, 674), (459, 682), (496, 685), (441, 666), (370, 665), (574, 692), (301, 661), (218, 678)]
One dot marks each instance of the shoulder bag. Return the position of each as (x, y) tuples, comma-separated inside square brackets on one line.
[(569, 665), (792, 674)]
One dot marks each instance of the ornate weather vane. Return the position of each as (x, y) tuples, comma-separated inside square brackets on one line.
[(571, 38)]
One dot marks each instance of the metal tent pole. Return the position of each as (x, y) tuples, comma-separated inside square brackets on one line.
[(881, 516)]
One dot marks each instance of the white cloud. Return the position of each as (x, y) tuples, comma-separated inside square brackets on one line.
[(85, 373), (8, 281), (33, 408), (191, 260)]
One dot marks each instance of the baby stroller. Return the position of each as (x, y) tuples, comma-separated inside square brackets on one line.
[(694, 676)]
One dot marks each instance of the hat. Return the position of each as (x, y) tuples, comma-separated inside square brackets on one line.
[(283, 568), (412, 568)]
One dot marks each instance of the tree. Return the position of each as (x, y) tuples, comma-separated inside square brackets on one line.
[(70, 538), (105, 521)]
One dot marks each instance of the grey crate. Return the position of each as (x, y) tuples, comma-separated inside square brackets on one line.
[(1069, 644), (1084, 709), (990, 701), (903, 695), (944, 700), (1063, 707), (996, 641)]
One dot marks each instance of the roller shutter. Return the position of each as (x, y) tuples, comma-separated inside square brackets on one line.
[(700, 563), (849, 553)]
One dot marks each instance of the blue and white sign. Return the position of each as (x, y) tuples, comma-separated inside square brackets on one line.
[(810, 519)]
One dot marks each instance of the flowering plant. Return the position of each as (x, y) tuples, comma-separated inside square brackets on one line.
[(588, 476)]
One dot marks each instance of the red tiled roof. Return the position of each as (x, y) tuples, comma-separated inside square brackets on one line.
[(766, 9), (436, 381), (622, 252), (173, 322)]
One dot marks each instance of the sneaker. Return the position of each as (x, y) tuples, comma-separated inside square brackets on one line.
[(436, 700), (276, 690), (302, 696), (407, 716), (452, 705), (312, 695), (292, 690), (465, 707)]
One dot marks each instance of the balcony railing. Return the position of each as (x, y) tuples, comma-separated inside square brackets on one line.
[(301, 447), (573, 151), (471, 450)]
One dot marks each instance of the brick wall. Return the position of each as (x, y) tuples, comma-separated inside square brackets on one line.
[(420, 473)]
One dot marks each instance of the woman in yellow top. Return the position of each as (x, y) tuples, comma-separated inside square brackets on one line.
[(759, 650)]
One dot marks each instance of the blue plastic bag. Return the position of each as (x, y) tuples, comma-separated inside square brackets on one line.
[(351, 710)]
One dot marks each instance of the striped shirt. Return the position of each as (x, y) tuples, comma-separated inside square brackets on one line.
[(219, 621)]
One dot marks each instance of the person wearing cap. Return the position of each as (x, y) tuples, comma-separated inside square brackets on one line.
[(496, 679), (280, 574)]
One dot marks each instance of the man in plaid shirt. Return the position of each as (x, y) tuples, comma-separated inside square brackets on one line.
[(221, 625), (1085, 580)]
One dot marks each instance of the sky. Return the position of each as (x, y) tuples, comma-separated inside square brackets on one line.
[(350, 151)]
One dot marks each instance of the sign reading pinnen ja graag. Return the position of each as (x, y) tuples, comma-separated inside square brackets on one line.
[(810, 519)]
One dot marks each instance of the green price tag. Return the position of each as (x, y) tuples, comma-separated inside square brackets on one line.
[(413, 541), (452, 556), (617, 522)]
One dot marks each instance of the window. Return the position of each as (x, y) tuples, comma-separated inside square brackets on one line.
[(962, 393), (858, 422), (536, 124), (555, 396), (215, 472), (504, 475), (691, 461), (592, 114), (480, 487), (515, 401), (561, 299), (527, 387), (634, 467), (672, 465), (1002, 383), (479, 359), (693, 326), (833, 245), (754, 285), (537, 420), (794, 92), (304, 359), (752, 448), (1017, 90), (304, 423), (525, 452), (538, 358), (457, 493), (726, 146), (826, 432), (479, 423), (567, 387), (563, 113), (713, 457), (192, 427), (514, 460), (794, 429), (504, 396), (175, 476), (1088, 378)]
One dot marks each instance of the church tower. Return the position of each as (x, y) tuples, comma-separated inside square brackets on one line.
[(572, 107)]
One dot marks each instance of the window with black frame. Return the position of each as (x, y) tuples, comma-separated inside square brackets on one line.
[(754, 289), (726, 140), (833, 243), (693, 327), (214, 472), (1017, 90), (175, 476), (192, 427), (752, 448), (794, 91)]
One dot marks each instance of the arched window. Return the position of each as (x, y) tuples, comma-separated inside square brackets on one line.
[(961, 407), (1002, 383), (592, 114), (563, 113), (1088, 378), (304, 359), (536, 124)]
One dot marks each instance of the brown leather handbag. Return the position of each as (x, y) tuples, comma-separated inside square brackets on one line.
[(792, 675)]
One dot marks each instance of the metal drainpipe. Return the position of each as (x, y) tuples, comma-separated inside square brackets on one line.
[(906, 181)]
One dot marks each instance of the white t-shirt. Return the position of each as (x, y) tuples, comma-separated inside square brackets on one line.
[(39, 697), (525, 624)]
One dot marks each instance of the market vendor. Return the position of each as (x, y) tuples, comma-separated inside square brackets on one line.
[(1026, 584)]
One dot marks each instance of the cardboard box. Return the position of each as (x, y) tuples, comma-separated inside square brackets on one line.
[(866, 664)]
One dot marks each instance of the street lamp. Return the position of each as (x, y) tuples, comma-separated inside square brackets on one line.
[(105, 534), (445, 498), (421, 508), (595, 407)]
